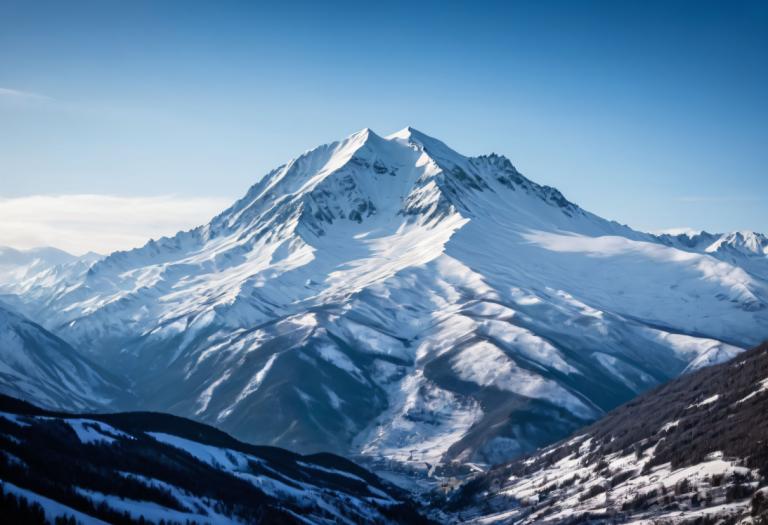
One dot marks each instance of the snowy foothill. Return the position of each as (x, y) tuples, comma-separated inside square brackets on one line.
[(156, 467)]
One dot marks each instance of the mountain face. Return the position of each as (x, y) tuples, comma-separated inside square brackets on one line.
[(35, 364), (388, 296), (155, 468), (692, 451)]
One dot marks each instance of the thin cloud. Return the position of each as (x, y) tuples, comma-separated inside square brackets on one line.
[(99, 223), (15, 94)]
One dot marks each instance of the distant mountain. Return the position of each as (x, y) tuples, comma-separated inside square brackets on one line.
[(39, 274), (390, 297), (692, 451), (749, 250), (46, 255), (19, 265), (131, 467), (35, 364)]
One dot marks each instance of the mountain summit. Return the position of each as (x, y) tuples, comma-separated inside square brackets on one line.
[(391, 297)]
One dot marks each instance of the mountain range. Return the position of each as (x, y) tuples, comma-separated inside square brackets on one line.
[(388, 297)]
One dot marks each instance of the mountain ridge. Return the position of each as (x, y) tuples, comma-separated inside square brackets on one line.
[(138, 466)]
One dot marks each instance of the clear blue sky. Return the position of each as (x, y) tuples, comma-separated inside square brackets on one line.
[(651, 113)]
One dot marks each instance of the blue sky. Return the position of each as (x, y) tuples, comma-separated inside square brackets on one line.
[(654, 114)]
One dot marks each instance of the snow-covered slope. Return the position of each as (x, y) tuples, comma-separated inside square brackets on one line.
[(37, 365), (692, 451), (151, 468), (391, 297)]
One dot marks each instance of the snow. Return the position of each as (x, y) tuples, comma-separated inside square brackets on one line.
[(214, 456), (15, 419), (421, 424), (762, 386), (705, 402), (205, 397), (53, 509), (735, 509), (311, 492), (381, 256), (336, 401), (372, 340), (485, 364), (206, 507), (669, 425), (620, 369), (305, 494), (35, 365), (150, 510), (340, 360), (699, 351), (257, 379), (253, 384), (95, 432), (526, 343), (331, 471), (572, 501)]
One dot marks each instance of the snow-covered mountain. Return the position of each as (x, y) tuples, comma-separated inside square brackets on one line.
[(746, 249), (34, 258), (691, 451), (391, 297), (155, 468), (35, 364), (38, 274), (16, 266)]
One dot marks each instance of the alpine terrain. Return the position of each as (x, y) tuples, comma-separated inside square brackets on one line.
[(691, 451), (392, 298), (35, 364), (139, 467)]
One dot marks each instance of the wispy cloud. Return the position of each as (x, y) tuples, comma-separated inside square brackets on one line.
[(100, 223), (22, 96)]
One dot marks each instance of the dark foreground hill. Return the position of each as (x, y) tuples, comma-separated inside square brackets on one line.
[(692, 451), (155, 468)]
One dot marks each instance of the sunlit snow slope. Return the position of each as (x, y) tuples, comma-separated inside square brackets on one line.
[(392, 297)]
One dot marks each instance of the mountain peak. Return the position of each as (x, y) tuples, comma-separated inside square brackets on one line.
[(410, 133), (404, 133), (362, 134)]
